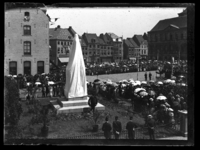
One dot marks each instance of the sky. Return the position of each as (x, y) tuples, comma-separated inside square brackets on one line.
[(124, 21)]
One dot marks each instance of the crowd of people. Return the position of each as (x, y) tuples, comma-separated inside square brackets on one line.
[(131, 66)]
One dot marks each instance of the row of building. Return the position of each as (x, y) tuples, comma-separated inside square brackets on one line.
[(106, 47), (31, 46)]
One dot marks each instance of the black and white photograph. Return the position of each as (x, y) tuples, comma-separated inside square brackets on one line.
[(99, 74)]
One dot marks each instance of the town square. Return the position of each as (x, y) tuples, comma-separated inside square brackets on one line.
[(68, 79)]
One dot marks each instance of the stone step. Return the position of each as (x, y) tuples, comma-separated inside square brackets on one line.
[(73, 109), (74, 103)]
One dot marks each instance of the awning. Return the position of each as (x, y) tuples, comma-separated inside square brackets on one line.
[(132, 58), (64, 60)]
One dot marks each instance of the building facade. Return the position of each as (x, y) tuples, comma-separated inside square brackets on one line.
[(143, 45), (168, 38), (26, 41), (117, 43), (128, 48), (60, 40)]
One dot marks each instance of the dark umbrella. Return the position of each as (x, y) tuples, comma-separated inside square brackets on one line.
[(96, 80)]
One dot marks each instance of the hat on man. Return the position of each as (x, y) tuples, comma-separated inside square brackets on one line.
[(150, 116)]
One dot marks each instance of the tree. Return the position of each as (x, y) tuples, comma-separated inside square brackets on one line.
[(12, 106)]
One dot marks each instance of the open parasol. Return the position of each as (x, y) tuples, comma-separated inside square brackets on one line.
[(50, 83), (143, 93), (143, 82), (37, 83), (160, 83), (14, 76), (138, 90), (161, 98)]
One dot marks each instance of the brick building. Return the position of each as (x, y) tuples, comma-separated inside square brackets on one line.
[(26, 41), (60, 40), (168, 38), (129, 50)]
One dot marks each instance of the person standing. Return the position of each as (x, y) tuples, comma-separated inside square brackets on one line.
[(117, 127), (92, 102), (47, 90), (150, 75), (51, 91), (145, 76), (131, 126), (107, 129), (151, 124)]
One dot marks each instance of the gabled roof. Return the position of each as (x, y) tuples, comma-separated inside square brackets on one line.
[(61, 34), (128, 43), (180, 22), (101, 41), (132, 42), (89, 37), (138, 39), (112, 35), (105, 38)]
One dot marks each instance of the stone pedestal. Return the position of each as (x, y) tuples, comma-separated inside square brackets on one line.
[(76, 105), (183, 122)]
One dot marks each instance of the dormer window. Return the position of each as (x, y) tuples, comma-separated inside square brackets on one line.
[(26, 16), (69, 37)]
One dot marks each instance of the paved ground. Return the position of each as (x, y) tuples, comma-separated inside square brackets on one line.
[(121, 76)]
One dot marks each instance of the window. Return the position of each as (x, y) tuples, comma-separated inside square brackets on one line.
[(27, 67), (40, 67), (13, 68), (58, 50), (171, 36), (61, 50), (9, 41), (58, 42), (86, 53), (27, 48), (26, 16), (90, 46), (34, 25), (27, 30), (8, 24)]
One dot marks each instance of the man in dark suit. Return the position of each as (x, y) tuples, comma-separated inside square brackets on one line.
[(92, 102), (117, 127), (145, 76), (107, 129), (131, 126), (151, 124), (150, 75)]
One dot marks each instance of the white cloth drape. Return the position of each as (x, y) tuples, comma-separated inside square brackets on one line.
[(75, 85)]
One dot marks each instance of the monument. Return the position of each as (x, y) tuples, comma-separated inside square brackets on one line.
[(75, 90)]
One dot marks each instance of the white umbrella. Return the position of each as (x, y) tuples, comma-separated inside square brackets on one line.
[(160, 82), (167, 81), (143, 82), (138, 82), (37, 83), (43, 74), (183, 84), (151, 81), (51, 82), (139, 89), (15, 76), (123, 85), (161, 98)]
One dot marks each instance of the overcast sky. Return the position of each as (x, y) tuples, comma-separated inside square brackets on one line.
[(121, 21)]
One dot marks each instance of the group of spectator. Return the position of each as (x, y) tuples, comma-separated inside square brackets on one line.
[(131, 126)]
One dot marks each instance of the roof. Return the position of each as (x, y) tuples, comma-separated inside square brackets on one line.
[(138, 39), (132, 42), (105, 38), (59, 33), (112, 35), (128, 43), (90, 36), (180, 22), (71, 30), (101, 41)]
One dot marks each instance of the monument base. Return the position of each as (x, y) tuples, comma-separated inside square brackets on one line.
[(74, 106)]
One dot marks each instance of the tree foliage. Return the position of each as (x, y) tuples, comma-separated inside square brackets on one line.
[(12, 106)]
